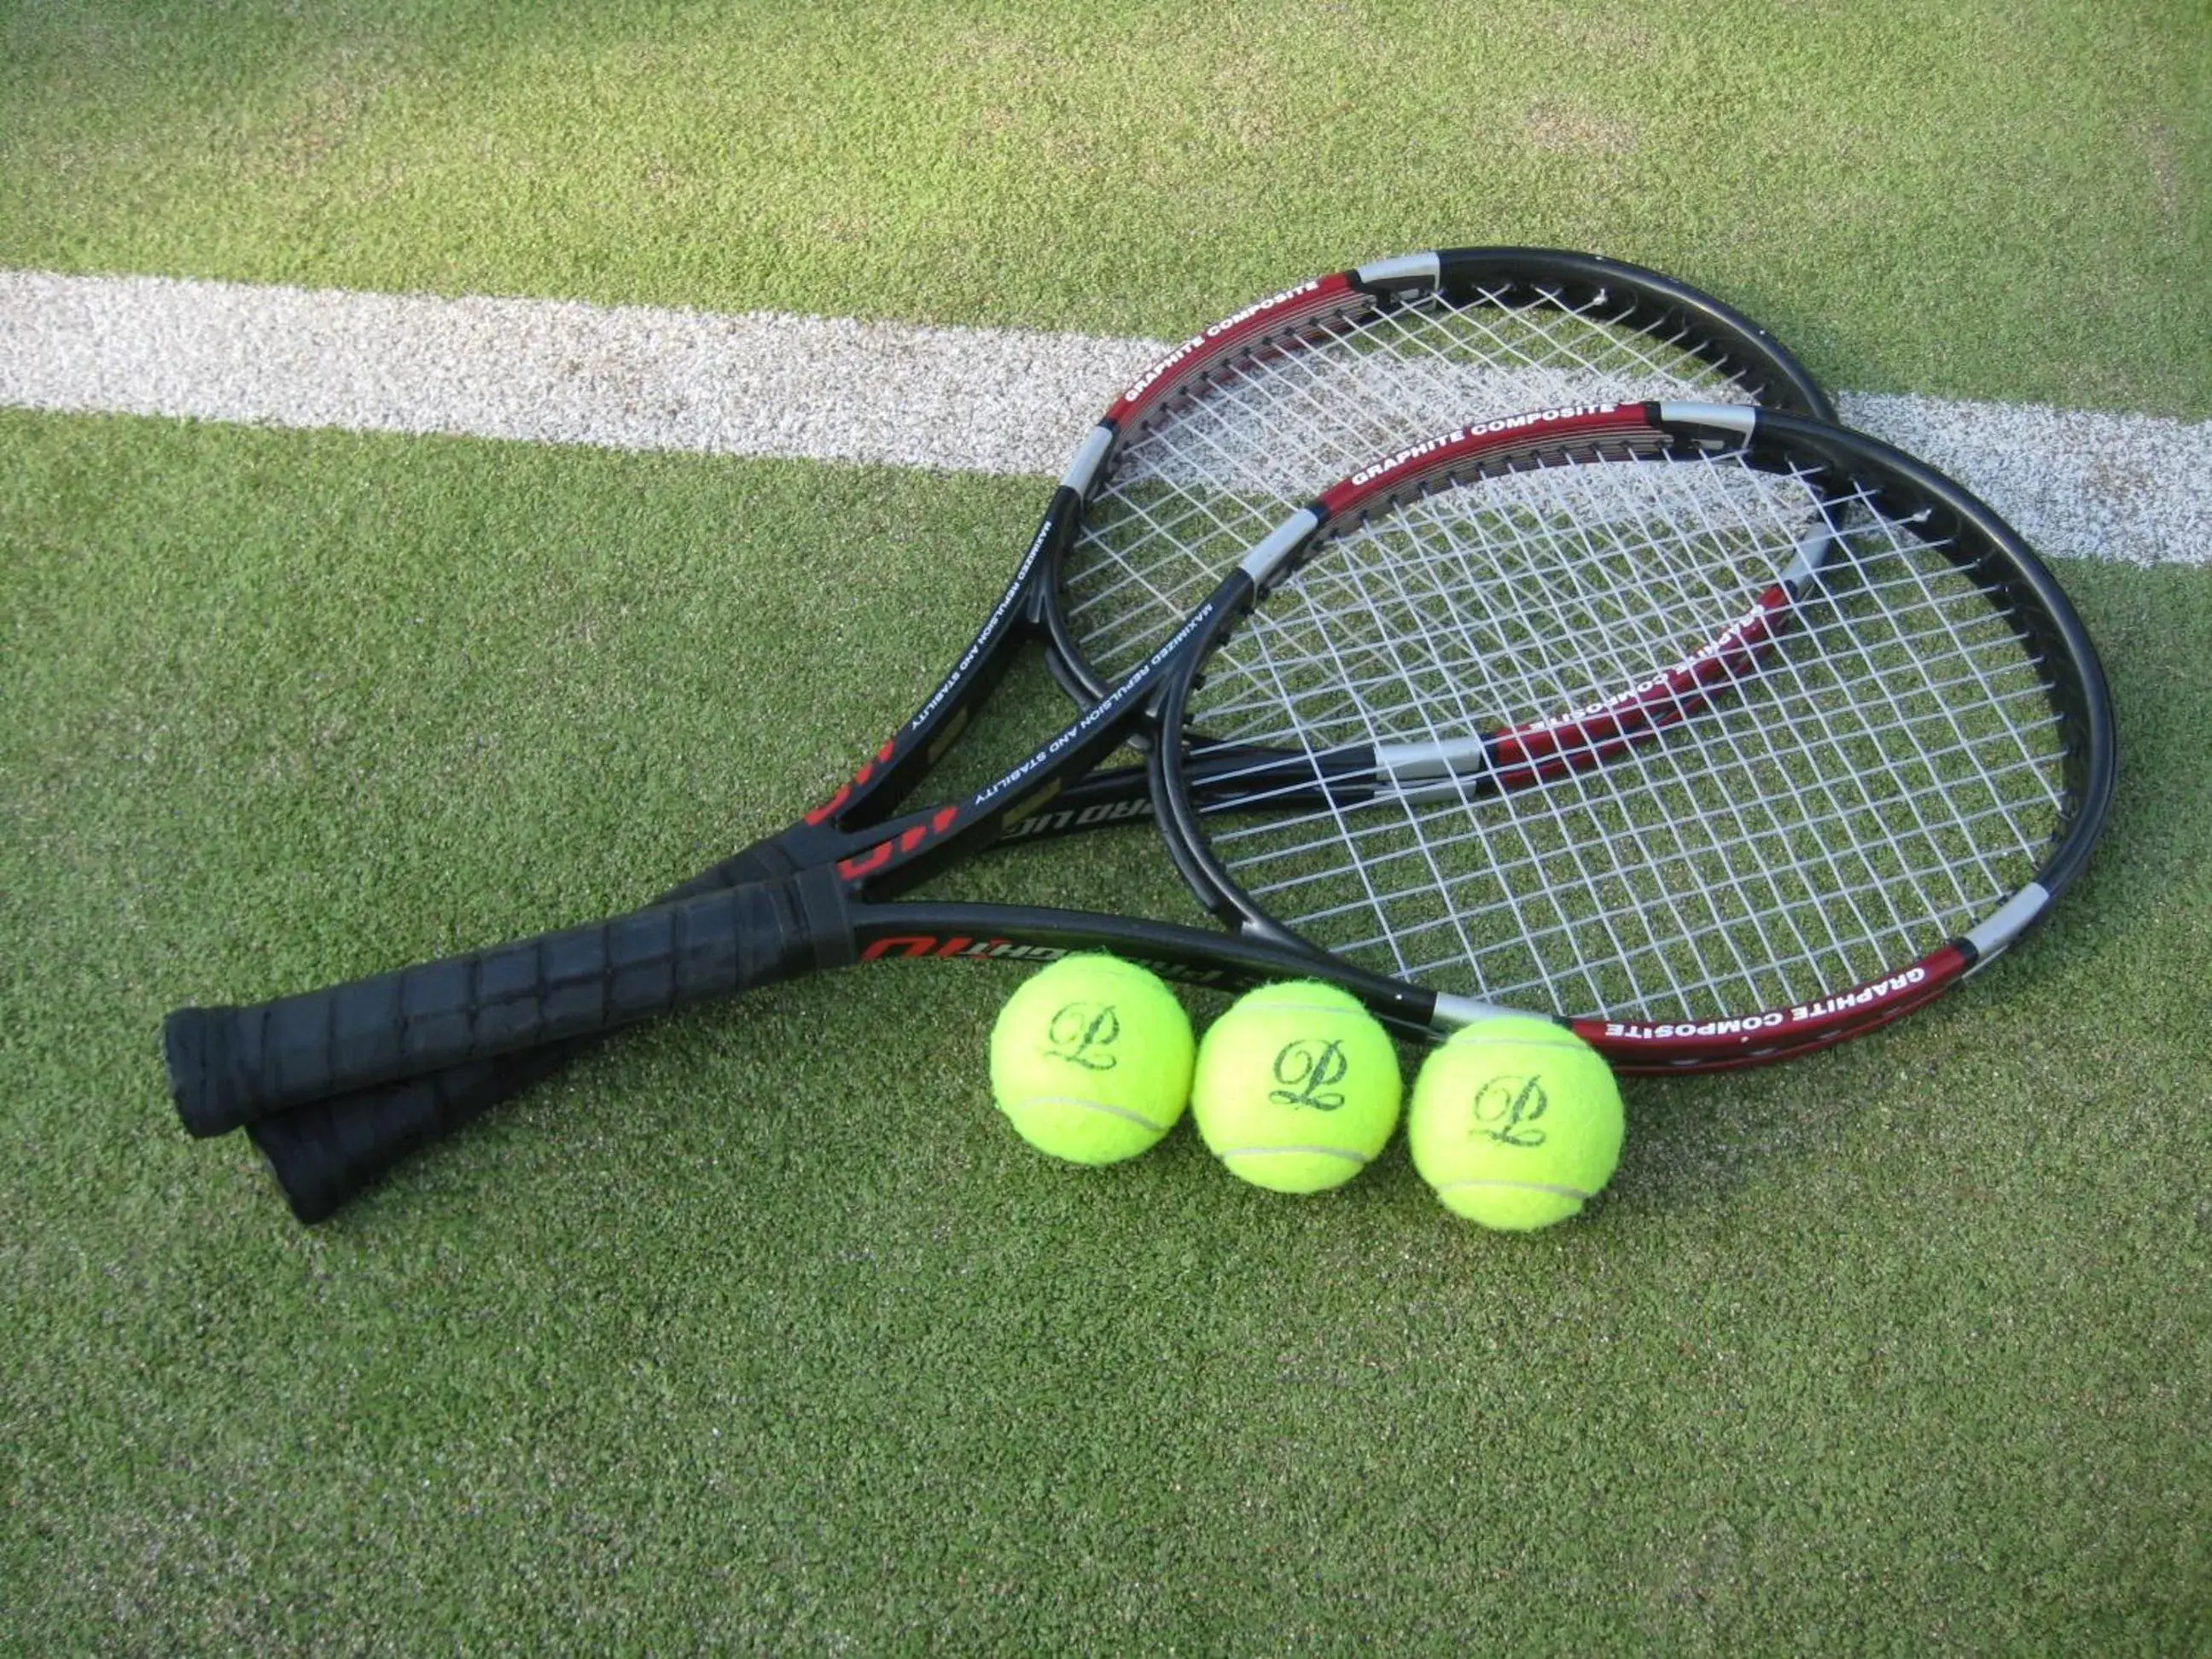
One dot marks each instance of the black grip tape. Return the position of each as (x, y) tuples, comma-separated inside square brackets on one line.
[(822, 913), (323, 1153), (326, 1152), (230, 1066)]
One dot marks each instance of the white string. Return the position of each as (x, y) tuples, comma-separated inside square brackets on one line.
[(1874, 782), (1226, 461)]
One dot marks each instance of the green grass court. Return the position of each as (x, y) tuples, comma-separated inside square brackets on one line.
[(759, 1330)]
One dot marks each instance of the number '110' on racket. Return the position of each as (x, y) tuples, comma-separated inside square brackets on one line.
[(1719, 733)]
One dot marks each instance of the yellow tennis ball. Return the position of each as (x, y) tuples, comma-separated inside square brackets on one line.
[(1297, 1087), (1517, 1122), (1091, 1060)]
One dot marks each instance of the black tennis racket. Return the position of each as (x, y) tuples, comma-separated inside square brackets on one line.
[(1721, 735), (1194, 463)]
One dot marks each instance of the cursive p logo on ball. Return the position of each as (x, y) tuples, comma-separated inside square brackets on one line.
[(1506, 1109), (1308, 1072), (1083, 1034)]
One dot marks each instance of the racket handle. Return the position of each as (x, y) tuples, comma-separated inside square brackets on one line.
[(228, 1066), (326, 1152)]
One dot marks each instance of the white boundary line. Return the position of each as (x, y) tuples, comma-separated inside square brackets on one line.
[(2077, 484)]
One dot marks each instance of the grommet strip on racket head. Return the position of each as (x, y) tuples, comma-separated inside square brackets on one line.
[(1776, 724), (1193, 462)]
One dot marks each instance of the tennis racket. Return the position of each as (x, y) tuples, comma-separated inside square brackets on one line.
[(1195, 461), (1719, 734)]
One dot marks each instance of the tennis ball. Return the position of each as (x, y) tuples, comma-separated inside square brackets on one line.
[(1517, 1122), (1091, 1060), (1297, 1087)]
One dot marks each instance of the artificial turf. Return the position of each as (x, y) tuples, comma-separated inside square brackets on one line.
[(1961, 197), (761, 1330)]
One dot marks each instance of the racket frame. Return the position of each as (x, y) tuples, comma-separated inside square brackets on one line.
[(1980, 543)]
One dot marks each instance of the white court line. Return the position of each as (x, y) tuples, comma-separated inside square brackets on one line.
[(2077, 484)]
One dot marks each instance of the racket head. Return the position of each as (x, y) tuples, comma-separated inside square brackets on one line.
[(1210, 448), (1204, 453), (1712, 788)]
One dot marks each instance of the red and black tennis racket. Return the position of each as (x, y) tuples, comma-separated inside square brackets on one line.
[(1194, 463), (1720, 734)]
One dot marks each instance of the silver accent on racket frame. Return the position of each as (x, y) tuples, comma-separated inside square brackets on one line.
[(1408, 269), (1421, 762), (2004, 925), (1453, 1012), (1739, 418), (1812, 553), (1261, 562), (1085, 467)]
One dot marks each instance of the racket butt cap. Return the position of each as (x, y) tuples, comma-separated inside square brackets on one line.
[(191, 1039)]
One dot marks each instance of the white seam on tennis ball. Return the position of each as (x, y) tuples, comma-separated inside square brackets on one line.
[(1128, 1113), (1556, 1190), (1344, 1153), (1339, 1008)]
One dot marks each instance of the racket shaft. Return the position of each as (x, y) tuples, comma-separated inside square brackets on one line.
[(229, 1065)]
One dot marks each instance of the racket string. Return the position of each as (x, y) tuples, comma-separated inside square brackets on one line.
[(1887, 768), (1548, 615), (1221, 465), (1597, 593), (1596, 596), (1565, 552)]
